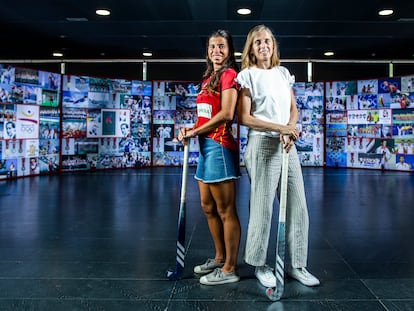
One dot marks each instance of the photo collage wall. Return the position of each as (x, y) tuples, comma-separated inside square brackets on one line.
[(106, 123), (29, 122), (174, 107), (51, 122), (369, 124), (311, 122)]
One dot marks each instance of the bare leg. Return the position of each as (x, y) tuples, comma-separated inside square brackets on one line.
[(214, 221), (224, 195)]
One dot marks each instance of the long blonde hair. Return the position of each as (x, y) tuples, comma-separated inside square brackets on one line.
[(248, 58)]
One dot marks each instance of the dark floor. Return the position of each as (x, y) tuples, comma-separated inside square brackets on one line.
[(104, 240)]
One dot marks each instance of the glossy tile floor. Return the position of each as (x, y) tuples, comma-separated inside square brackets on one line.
[(104, 240)]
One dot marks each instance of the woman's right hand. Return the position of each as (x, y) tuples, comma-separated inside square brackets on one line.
[(287, 141), (186, 133), (182, 134), (291, 131)]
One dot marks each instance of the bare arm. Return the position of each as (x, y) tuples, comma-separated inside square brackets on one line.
[(294, 113)]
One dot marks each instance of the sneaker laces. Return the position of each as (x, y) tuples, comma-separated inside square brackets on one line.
[(304, 271), (210, 260), (304, 276), (217, 272), (267, 272)]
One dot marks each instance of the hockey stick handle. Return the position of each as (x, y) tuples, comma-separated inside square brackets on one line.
[(185, 170), (284, 182), (176, 274)]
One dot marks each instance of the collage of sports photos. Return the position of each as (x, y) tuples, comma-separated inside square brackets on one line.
[(105, 123), (369, 124), (29, 121), (174, 108), (311, 122), (50, 122)]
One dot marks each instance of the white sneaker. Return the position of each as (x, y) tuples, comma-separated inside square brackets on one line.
[(303, 276), (207, 267), (218, 277), (266, 276)]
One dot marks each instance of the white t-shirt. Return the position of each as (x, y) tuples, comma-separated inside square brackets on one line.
[(402, 166), (270, 90)]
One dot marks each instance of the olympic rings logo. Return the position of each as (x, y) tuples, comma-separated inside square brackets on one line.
[(29, 128)]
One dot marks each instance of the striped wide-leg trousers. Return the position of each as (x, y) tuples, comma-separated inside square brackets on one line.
[(263, 160)]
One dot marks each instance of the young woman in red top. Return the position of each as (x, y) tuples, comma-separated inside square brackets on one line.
[(218, 166)]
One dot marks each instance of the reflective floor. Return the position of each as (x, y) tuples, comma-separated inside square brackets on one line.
[(104, 240)]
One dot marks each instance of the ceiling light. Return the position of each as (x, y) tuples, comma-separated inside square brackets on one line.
[(385, 12), (329, 53), (244, 11), (57, 54), (237, 54), (103, 12), (147, 54)]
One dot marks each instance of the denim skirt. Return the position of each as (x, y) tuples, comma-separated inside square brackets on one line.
[(216, 163)]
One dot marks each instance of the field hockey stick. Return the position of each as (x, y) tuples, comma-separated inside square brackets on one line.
[(275, 294), (180, 255)]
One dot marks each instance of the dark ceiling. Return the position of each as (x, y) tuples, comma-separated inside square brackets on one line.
[(177, 29)]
